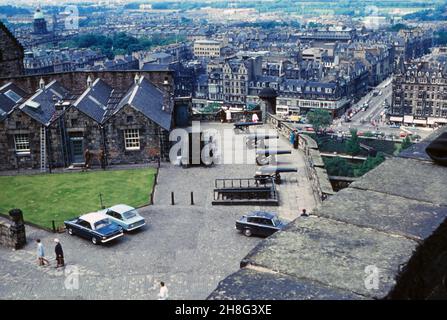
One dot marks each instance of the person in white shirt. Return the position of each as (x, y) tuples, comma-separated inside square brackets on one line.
[(228, 114), (163, 294), (255, 118)]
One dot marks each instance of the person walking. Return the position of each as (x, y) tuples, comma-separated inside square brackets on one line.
[(163, 294), (59, 254), (41, 254), (304, 213), (292, 138)]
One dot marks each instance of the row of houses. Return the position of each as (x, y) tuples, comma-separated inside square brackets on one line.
[(53, 127)]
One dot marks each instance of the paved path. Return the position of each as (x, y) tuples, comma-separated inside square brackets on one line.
[(295, 193), (191, 248)]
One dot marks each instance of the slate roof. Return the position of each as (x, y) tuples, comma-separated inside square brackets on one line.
[(99, 102), (10, 96), (149, 100), (156, 67), (41, 106), (95, 100), (268, 93)]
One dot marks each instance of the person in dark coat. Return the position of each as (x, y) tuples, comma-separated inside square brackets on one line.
[(296, 139), (59, 254)]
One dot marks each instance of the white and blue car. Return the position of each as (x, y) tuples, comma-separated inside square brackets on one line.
[(125, 216), (95, 226)]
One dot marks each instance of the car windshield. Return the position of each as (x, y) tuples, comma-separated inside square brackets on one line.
[(101, 224), (130, 214), (276, 221)]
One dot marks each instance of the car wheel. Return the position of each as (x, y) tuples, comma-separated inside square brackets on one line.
[(247, 232), (70, 231), (94, 241)]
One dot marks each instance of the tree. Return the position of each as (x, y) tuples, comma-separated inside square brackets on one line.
[(369, 164), (338, 167), (353, 144), (319, 119), (406, 143)]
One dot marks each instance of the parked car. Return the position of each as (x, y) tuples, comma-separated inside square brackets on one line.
[(95, 226), (259, 223), (125, 216)]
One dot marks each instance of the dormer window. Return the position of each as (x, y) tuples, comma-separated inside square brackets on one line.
[(13, 96), (32, 104)]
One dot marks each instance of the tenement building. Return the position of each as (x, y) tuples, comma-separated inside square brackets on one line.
[(55, 127), (420, 91), (207, 48)]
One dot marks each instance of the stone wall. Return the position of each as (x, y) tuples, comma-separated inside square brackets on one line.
[(154, 141), (5, 234), (76, 81), (319, 179), (11, 54), (12, 234), (149, 137), (78, 124), (19, 123)]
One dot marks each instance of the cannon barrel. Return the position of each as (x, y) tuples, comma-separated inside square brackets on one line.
[(247, 124), (268, 152), (262, 136), (274, 170)]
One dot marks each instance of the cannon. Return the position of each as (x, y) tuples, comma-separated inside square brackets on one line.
[(266, 156), (264, 174), (244, 126), (256, 137)]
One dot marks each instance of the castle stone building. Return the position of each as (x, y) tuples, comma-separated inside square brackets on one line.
[(56, 125)]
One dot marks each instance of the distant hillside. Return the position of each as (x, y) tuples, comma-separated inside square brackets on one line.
[(12, 10), (438, 14)]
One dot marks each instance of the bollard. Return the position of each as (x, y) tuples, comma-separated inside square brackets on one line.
[(172, 198), (54, 226), (192, 198)]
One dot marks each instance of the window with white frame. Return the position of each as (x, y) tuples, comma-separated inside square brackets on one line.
[(22, 143), (132, 139)]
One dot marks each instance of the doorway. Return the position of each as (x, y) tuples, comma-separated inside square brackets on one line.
[(77, 149)]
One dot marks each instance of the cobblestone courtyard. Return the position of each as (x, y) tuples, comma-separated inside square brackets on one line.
[(191, 248)]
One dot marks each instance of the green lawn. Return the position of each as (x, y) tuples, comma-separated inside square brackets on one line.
[(48, 197)]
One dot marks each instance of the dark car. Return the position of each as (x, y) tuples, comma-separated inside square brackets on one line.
[(259, 223), (95, 226)]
